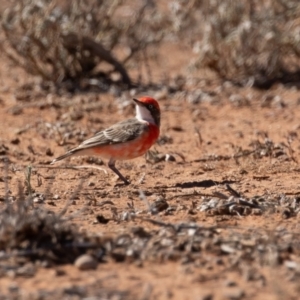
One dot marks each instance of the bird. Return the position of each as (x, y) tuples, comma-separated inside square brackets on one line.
[(124, 140)]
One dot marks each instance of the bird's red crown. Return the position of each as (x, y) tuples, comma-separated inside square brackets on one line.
[(149, 100)]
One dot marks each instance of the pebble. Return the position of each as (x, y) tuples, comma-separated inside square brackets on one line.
[(37, 200), (159, 205), (85, 262), (227, 249), (170, 157), (291, 264)]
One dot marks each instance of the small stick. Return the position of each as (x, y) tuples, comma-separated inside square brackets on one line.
[(232, 191), (6, 163), (199, 136), (220, 195), (144, 199), (241, 202), (176, 227)]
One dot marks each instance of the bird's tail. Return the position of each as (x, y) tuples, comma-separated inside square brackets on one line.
[(69, 153)]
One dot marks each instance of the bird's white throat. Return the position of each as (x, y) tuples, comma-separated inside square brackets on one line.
[(143, 114)]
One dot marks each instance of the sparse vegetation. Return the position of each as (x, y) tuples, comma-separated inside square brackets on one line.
[(66, 42), (247, 42), (244, 42)]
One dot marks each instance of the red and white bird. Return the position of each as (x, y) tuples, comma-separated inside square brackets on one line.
[(125, 140)]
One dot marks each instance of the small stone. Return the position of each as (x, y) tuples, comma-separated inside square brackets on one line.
[(37, 200), (227, 249), (56, 197), (159, 205), (291, 264), (170, 157), (85, 262), (248, 243)]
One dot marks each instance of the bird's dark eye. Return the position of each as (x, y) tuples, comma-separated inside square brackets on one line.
[(150, 106)]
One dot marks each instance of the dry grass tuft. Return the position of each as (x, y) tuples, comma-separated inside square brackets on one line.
[(36, 233)]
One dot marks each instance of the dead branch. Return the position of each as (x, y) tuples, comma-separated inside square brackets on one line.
[(72, 41)]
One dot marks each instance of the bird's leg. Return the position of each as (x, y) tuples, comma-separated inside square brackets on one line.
[(112, 166)]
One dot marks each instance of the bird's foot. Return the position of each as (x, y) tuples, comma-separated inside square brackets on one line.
[(126, 182)]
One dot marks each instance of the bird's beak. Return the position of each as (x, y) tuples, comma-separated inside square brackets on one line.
[(138, 102)]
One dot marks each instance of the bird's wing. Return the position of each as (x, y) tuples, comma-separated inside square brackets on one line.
[(121, 132)]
